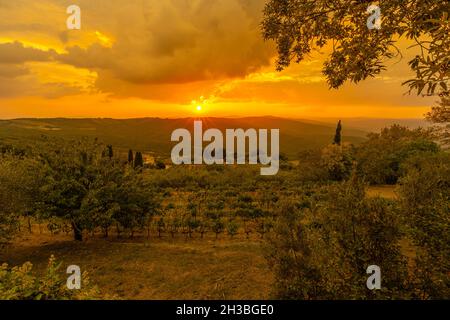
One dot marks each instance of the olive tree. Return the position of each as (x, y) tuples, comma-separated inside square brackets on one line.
[(300, 27)]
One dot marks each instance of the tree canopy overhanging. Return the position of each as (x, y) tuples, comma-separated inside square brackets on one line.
[(300, 27)]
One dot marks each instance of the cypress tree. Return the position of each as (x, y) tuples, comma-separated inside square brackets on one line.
[(110, 151), (338, 137), (138, 160), (130, 157)]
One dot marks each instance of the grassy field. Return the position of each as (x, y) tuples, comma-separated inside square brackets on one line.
[(158, 269), (384, 191)]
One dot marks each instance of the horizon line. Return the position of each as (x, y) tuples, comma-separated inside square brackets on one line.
[(209, 117)]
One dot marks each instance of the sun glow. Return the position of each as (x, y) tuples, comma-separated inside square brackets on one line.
[(200, 104)]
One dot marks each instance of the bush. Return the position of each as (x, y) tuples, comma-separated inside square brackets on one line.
[(337, 161), (18, 283), (380, 159), (425, 204), (160, 165), (324, 254)]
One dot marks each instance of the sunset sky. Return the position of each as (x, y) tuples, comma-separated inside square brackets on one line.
[(171, 58)]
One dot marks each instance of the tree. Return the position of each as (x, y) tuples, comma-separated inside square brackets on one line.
[(337, 160), (110, 151), (380, 159), (425, 205), (367, 232), (325, 254), (232, 228), (21, 177), (338, 137), (160, 226), (137, 200), (289, 253), (203, 225), (138, 160), (71, 171), (20, 180), (101, 204), (300, 27), (174, 225), (130, 157), (217, 226), (193, 224), (440, 115), (90, 190)]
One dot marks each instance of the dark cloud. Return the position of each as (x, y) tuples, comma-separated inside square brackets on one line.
[(16, 53), (149, 43), (178, 42), (12, 71)]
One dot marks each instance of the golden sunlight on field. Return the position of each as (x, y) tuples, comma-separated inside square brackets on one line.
[(159, 268)]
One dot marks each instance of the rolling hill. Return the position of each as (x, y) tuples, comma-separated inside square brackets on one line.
[(376, 124), (153, 134)]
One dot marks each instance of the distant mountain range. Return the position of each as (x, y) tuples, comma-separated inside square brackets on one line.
[(153, 134)]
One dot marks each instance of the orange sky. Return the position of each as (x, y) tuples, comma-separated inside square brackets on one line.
[(152, 58)]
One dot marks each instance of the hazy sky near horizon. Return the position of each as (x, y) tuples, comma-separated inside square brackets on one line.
[(152, 58)]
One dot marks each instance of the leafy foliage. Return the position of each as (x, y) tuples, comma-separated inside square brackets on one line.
[(19, 283), (440, 114), (20, 180), (425, 203), (300, 27), (324, 254), (84, 184), (337, 161), (380, 159)]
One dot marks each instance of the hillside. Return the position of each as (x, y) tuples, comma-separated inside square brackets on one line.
[(153, 134), (376, 124)]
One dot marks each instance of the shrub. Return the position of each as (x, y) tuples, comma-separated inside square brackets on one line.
[(18, 283)]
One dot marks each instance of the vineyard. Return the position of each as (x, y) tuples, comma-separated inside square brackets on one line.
[(88, 190), (206, 211)]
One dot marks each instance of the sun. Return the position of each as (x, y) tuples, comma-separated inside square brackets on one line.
[(200, 105)]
